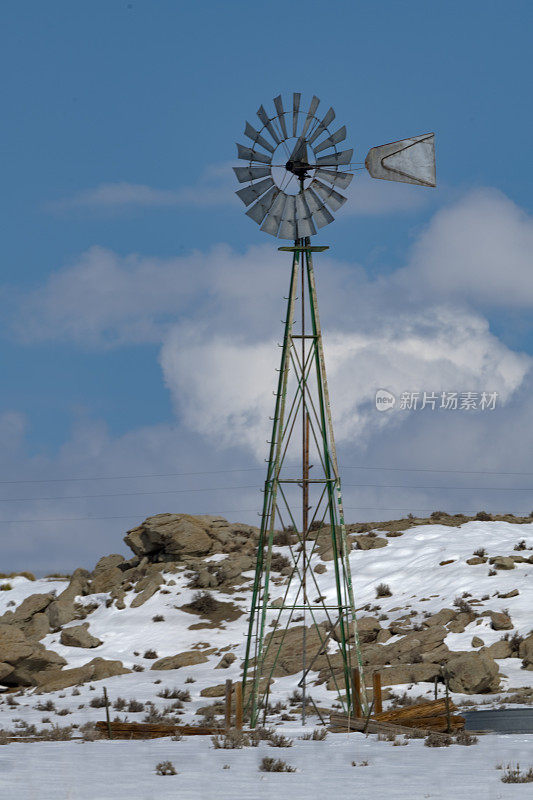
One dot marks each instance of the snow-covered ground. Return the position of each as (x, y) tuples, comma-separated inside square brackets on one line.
[(124, 770), (410, 565)]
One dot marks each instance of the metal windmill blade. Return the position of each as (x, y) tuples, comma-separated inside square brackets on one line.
[(407, 161), (283, 162)]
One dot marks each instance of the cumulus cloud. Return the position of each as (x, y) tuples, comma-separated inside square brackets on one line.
[(477, 249), (222, 387)]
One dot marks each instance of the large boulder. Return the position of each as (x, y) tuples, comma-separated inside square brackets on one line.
[(170, 536), (370, 542), (106, 579), (409, 673), (95, 670), (500, 621), (61, 612), (79, 636), (182, 537), (473, 673), (28, 659), (186, 659), (31, 605), (502, 562), (107, 562), (526, 652)]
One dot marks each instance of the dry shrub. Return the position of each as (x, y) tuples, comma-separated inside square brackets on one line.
[(203, 603), (318, 735), (465, 738), (275, 765), (165, 768), (514, 775), (383, 590), (278, 740), (438, 740), (234, 740)]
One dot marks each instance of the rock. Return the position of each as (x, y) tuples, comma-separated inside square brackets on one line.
[(501, 649), (37, 627), (214, 691), (14, 646), (233, 566), (30, 671), (5, 670), (500, 621), (477, 642), (205, 579), (368, 629), (61, 612), (107, 562), (502, 562), (383, 636), (79, 636), (409, 673), (172, 535), (460, 622), (78, 586), (473, 673), (149, 586), (320, 569), (370, 542), (31, 605), (442, 617), (525, 651), (476, 560), (186, 659), (106, 579), (512, 593), (25, 657), (226, 661), (95, 670)]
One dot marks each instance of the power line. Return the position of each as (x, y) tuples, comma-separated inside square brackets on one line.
[(257, 486), (251, 468)]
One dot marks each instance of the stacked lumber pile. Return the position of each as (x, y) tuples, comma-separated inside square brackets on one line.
[(432, 715), (144, 730), (422, 717)]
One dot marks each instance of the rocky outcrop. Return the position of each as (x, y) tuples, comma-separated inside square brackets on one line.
[(186, 659), (473, 673), (79, 636), (502, 562), (176, 537), (26, 660), (95, 670)]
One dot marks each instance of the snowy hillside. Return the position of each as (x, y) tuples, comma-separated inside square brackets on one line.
[(426, 568)]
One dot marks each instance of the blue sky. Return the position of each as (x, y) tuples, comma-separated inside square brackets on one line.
[(120, 227)]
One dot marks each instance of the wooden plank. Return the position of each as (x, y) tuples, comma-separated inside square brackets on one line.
[(356, 689), (139, 730), (378, 699), (429, 709), (340, 722), (229, 689), (238, 705)]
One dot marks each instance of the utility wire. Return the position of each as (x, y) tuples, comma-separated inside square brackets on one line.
[(254, 468), (257, 486)]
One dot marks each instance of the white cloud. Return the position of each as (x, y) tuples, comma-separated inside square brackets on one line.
[(214, 188), (477, 249), (222, 387)]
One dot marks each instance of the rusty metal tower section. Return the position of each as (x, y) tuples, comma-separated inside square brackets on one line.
[(302, 619)]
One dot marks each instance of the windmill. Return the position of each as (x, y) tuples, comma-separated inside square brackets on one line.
[(295, 172)]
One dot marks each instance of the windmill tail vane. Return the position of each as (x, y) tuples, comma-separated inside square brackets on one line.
[(302, 618)]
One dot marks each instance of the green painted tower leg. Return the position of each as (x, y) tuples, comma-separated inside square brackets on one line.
[(302, 540)]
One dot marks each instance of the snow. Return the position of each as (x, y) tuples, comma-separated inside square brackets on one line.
[(410, 565), (122, 770)]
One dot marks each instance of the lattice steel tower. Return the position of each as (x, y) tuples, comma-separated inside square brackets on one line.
[(301, 616)]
